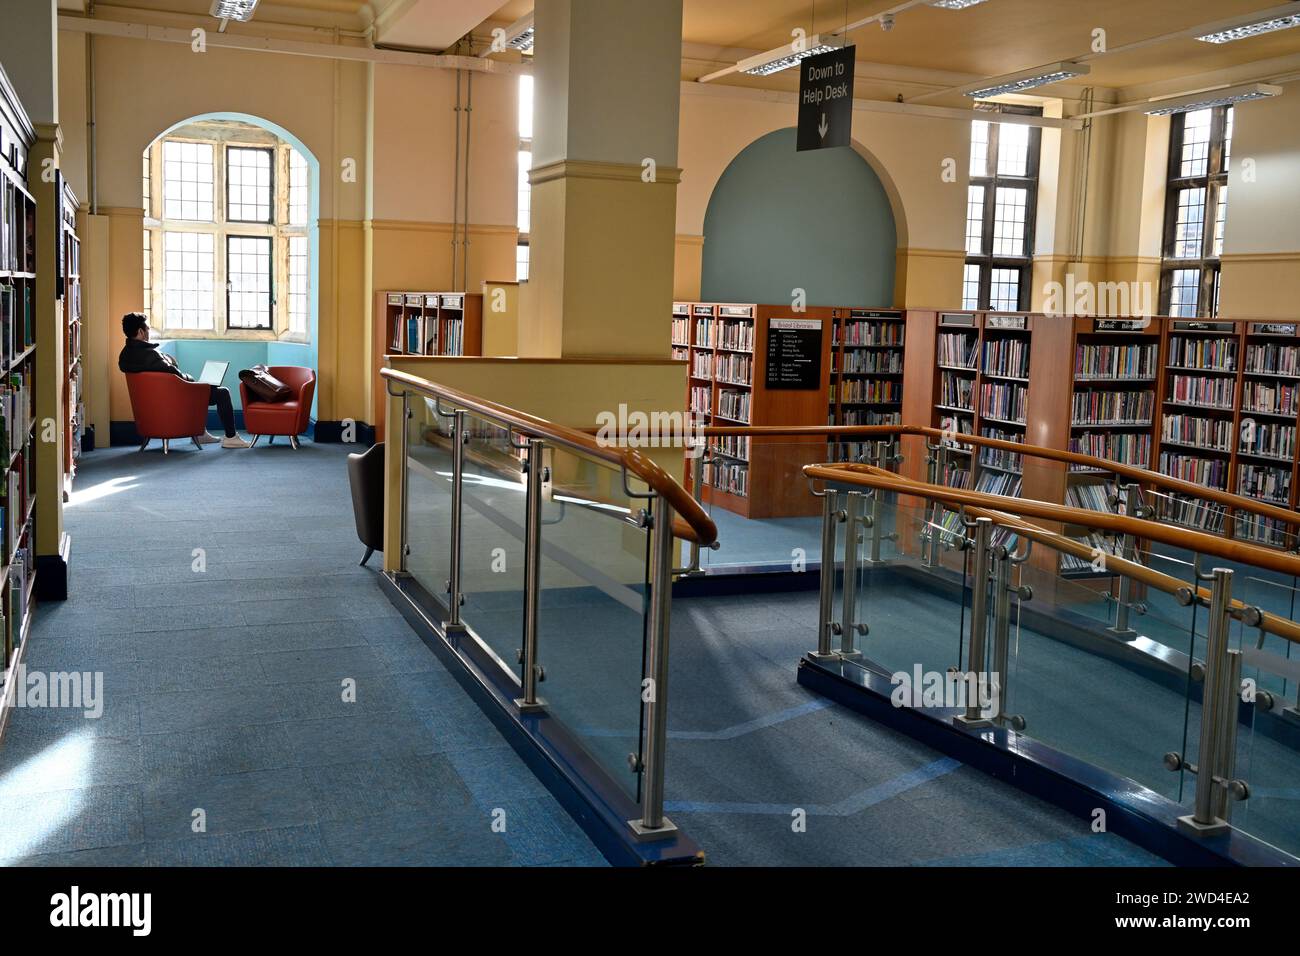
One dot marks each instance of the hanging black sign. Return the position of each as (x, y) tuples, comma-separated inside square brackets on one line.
[(826, 100), (794, 353)]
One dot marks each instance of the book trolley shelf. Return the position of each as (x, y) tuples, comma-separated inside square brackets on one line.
[(18, 278), (735, 358), (423, 323)]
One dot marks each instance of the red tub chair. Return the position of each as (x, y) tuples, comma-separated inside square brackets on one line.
[(166, 407), (281, 418)]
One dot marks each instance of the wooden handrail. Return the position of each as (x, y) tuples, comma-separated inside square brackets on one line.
[(702, 530), (1009, 512), (1132, 472)]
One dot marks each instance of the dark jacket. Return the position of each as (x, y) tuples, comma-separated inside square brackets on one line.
[(140, 356)]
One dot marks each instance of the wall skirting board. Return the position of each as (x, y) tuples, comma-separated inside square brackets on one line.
[(52, 573)]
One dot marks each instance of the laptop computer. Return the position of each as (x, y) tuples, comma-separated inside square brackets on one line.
[(214, 373)]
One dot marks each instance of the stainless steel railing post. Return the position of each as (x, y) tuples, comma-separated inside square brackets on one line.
[(826, 598), (979, 624), (405, 550), (849, 627), (530, 669), (880, 459), (1218, 704), (697, 492), (458, 438), (1128, 550), (654, 693)]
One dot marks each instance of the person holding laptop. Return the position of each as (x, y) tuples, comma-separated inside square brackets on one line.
[(141, 355)]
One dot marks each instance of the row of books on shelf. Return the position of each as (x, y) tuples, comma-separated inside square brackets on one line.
[(455, 343), (18, 583), (869, 416), (704, 332), (1216, 355), (736, 368), (1095, 407), (735, 334), (1211, 472), (872, 362), (17, 229), (1115, 361), (702, 365), (1003, 401), (731, 446), (1095, 542), (729, 476), (701, 399), (681, 353), (1272, 359), (1265, 482), (1191, 513), (1126, 448), (956, 349), (1269, 440), (1213, 433), (870, 391), (415, 340), (1092, 495), (681, 330), (1008, 357), (16, 320), (1000, 457), (956, 391), (1211, 392), (869, 333), (734, 404), (15, 410), (1270, 399), (13, 508)]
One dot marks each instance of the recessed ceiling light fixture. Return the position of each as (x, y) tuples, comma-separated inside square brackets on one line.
[(955, 4), (241, 10), (1246, 30), (1203, 100), (518, 36), (784, 57), (1027, 79)]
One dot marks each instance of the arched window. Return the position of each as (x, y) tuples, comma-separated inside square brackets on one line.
[(227, 238)]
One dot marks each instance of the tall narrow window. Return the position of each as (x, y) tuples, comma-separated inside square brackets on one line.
[(525, 160), (1196, 211), (189, 277), (248, 282), (299, 188), (1000, 204), (187, 181), (298, 284), (248, 190)]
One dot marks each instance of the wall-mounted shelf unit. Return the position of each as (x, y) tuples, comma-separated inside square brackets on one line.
[(74, 408)]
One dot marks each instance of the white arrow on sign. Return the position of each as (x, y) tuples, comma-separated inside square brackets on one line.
[(825, 127)]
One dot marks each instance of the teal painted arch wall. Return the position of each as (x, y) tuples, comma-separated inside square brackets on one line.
[(780, 220)]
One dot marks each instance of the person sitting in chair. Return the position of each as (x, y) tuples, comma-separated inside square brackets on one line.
[(141, 355)]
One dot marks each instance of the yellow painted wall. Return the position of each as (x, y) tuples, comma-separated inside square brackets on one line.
[(500, 318)]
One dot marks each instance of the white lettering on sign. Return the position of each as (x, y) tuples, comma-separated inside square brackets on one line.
[(794, 324)]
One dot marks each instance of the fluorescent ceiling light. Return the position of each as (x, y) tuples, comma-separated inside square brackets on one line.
[(241, 10), (518, 36), (955, 4), (1251, 29), (1203, 100), (1027, 79), (784, 57)]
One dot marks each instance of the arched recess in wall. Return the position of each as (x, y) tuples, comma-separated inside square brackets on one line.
[(826, 221), (240, 349)]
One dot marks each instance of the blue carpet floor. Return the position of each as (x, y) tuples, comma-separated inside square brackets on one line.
[(223, 690)]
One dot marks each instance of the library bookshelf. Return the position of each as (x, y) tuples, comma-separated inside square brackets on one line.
[(867, 361), (423, 323), (749, 365), (18, 297), (74, 409)]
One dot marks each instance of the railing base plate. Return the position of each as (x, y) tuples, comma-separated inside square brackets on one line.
[(536, 707), (645, 835), (1189, 824)]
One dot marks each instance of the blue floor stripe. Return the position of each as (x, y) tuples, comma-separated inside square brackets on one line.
[(846, 807)]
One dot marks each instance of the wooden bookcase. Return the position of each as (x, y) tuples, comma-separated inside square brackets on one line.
[(73, 404), (18, 278), (423, 323), (867, 367), (727, 355)]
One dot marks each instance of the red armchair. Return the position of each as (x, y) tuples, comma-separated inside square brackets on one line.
[(166, 406), (281, 418)]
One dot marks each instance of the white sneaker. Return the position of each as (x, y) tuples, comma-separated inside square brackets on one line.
[(235, 442), (207, 438)]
